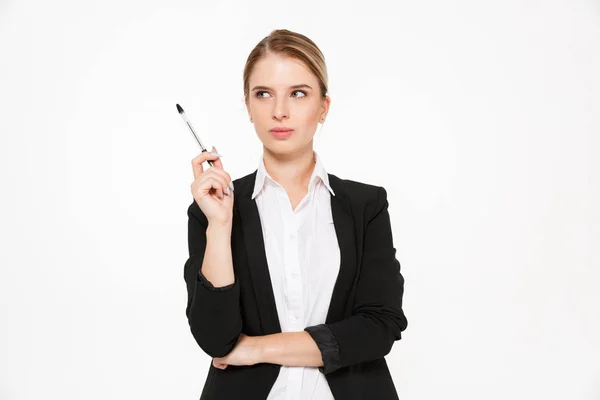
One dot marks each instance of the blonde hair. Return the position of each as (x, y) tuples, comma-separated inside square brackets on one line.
[(291, 44)]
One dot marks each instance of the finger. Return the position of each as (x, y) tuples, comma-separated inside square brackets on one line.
[(217, 163), (198, 160), (222, 183), (216, 184), (207, 184), (224, 175)]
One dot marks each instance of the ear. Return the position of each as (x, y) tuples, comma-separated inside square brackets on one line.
[(248, 110), (325, 103)]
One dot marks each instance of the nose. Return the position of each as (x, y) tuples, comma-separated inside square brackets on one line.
[(281, 110)]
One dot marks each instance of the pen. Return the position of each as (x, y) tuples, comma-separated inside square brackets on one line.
[(189, 124)]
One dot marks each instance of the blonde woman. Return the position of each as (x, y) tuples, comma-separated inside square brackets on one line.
[(293, 284)]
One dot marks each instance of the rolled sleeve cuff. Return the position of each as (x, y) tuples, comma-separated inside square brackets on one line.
[(327, 343), (210, 286)]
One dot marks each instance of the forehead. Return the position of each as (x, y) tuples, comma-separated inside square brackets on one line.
[(276, 70)]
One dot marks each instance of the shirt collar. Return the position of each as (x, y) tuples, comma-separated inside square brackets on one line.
[(318, 172)]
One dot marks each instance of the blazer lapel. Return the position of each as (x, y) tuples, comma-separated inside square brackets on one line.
[(257, 259), (345, 230)]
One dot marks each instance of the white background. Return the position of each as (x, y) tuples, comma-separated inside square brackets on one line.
[(480, 118)]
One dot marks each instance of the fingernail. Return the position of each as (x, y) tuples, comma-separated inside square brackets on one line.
[(231, 185), (214, 153), (227, 191)]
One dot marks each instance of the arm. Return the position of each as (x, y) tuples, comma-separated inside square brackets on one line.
[(213, 312), (377, 319), (292, 349)]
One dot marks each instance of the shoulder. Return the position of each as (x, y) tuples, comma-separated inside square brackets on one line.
[(370, 197)]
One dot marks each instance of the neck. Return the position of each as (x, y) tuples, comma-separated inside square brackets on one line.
[(292, 171)]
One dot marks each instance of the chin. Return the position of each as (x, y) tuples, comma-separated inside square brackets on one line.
[(280, 148)]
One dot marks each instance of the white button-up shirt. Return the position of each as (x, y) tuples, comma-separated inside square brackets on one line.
[(303, 257)]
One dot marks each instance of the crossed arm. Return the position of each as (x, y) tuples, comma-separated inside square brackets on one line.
[(294, 349)]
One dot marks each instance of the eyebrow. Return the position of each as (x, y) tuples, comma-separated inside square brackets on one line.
[(303, 85)]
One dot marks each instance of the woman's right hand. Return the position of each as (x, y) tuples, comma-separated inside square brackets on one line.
[(209, 186)]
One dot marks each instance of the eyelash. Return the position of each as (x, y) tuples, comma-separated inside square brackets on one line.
[(262, 91)]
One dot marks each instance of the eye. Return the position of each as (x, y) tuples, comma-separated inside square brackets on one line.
[(259, 92), (300, 91)]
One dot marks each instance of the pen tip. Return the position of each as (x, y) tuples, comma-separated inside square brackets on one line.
[(179, 109)]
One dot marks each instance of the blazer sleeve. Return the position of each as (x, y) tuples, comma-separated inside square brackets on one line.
[(377, 319), (213, 313)]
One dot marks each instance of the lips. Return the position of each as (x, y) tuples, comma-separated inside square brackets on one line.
[(282, 133)]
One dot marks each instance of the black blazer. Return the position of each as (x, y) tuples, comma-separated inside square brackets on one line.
[(365, 316)]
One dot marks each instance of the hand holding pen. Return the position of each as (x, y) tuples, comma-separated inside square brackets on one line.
[(212, 189)]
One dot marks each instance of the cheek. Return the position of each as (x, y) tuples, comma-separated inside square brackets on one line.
[(307, 112), (258, 108)]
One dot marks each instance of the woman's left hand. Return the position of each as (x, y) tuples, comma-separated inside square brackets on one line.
[(245, 352)]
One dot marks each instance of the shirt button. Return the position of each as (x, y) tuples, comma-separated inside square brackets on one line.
[(293, 318)]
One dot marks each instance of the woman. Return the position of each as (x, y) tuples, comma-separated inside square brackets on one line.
[(293, 285)]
